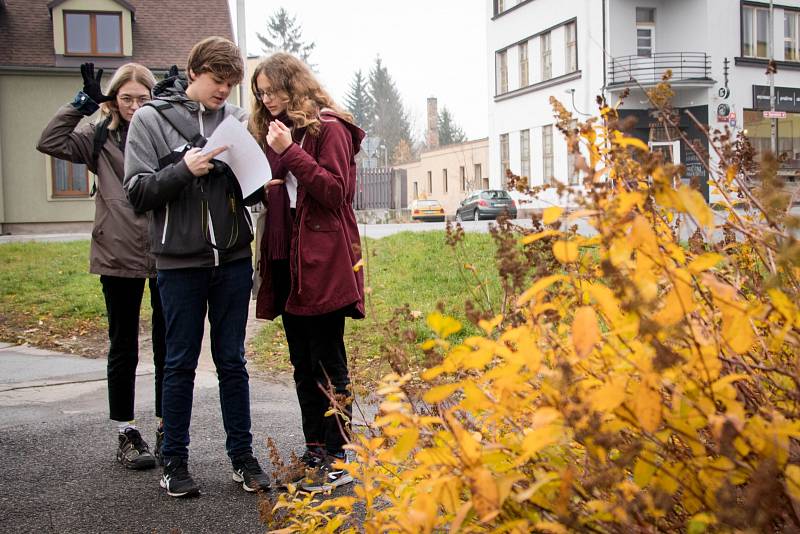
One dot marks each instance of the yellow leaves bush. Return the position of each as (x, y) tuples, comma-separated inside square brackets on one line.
[(647, 386)]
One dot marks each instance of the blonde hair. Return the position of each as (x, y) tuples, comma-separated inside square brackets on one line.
[(293, 80), (129, 72), (217, 55)]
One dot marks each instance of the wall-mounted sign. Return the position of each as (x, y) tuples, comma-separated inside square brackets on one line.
[(786, 98), (774, 114), (723, 110)]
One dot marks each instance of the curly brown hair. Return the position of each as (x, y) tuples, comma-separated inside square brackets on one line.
[(293, 81)]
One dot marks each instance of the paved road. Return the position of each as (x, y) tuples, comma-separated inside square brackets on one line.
[(57, 450)]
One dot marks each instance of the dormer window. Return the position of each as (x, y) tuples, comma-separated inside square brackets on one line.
[(93, 33)]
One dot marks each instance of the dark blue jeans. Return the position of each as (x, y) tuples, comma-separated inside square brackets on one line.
[(186, 295)]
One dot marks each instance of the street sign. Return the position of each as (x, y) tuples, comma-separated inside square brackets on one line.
[(774, 114)]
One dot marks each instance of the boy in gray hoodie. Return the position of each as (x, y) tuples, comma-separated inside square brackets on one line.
[(200, 233)]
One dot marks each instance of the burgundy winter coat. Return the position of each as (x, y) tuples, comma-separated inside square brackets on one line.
[(325, 244)]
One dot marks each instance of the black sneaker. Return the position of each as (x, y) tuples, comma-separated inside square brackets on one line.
[(247, 471), (300, 469), (176, 478), (159, 446), (133, 452), (328, 477)]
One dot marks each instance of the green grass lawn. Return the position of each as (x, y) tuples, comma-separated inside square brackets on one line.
[(414, 269), (48, 297)]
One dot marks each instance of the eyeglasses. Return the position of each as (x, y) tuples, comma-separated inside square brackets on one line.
[(129, 100), (268, 94)]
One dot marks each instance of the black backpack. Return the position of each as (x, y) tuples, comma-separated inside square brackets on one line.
[(233, 191)]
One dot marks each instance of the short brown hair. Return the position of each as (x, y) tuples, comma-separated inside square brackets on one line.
[(216, 55)]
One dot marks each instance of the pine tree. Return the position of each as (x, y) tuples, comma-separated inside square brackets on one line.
[(449, 132), (390, 119), (284, 34), (359, 102)]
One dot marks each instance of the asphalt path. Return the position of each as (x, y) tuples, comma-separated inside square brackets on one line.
[(57, 449)]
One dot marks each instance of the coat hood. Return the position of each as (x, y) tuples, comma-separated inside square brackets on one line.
[(173, 89), (357, 133)]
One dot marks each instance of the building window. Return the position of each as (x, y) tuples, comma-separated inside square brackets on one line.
[(755, 32), (525, 154), (504, 159), (758, 132), (547, 64), (791, 21), (69, 179), (573, 175), (463, 173), (499, 6), (524, 79), (502, 72), (478, 172), (430, 181), (571, 47), (416, 190), (93, 34), (444, 180), (645, 31), (547, 154)]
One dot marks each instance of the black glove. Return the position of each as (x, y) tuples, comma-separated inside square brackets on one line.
[(172, 72), (91, 83)]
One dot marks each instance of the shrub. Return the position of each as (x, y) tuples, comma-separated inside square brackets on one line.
[(643, 385)]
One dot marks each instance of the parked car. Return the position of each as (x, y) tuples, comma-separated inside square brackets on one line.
[(486, 204), (427, 210)]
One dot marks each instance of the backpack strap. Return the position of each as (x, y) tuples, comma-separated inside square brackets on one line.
[(99, 139), (182, 125)]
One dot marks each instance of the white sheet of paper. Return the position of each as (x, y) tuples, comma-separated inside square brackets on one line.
[(243, 156)]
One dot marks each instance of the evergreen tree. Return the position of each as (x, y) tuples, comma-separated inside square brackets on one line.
[(359, 102), (284, 34), (449, 132), (390, 119)]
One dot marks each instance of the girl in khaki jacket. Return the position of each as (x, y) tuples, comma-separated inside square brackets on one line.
[(120, 251)]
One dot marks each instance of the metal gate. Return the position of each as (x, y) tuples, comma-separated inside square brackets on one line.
[(373, 189)]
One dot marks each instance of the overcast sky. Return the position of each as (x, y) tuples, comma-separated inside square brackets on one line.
[(431, 48)]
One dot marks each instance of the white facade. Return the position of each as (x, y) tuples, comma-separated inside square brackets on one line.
[(691, 37)]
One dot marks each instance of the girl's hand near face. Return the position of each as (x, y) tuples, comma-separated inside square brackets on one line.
[(279, 137)]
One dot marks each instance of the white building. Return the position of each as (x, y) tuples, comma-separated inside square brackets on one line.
[(717, 50)]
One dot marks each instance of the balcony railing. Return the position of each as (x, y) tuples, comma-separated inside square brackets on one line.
[(648, 70)]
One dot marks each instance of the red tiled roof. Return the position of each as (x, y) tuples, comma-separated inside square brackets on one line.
[(164, 32)]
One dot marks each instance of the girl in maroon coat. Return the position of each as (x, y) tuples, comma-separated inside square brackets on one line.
[(310, 246)]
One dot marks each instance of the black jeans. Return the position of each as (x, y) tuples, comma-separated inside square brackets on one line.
[(123, 303), (316, 350)]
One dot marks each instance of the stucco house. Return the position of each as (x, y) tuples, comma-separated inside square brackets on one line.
[(42, 45)]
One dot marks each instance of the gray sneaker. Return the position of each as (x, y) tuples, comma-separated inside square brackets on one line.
[(133, 451), (327, 477)]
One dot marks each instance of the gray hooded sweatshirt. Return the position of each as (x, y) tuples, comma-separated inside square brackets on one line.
[(189, 213)]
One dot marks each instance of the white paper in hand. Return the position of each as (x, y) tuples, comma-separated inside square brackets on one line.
[(244, 156)]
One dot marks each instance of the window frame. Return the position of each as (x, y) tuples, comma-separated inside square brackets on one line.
[(546, 55), (93, 33), (502, 71), (548, 169), (753, 31), (524, 64), (430, 182), (505, 157), (795, 44), (571, 47), (525, 154), (444, 180), (463, 172), (648, 26), (71, 193)]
